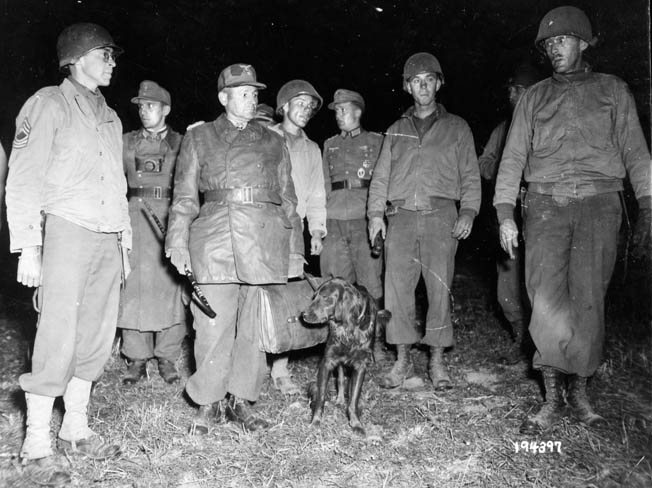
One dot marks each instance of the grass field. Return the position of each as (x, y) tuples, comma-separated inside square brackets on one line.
[(466, 437)]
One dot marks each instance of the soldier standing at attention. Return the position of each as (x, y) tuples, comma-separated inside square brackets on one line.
[(152, 320)]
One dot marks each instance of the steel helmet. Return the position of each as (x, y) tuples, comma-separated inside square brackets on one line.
[(78, 39), (567, 20), (421, 63), (293, 89)]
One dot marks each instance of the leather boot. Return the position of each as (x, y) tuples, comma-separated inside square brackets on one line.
[(205, 416), (75, 436), (579, 402), (241, 412), (514, 355), (403, 368), (552, 409), (136, 371), (380, 351), (437, 370)]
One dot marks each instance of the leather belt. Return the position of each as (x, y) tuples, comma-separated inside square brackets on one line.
[(246, 194), (149, 192), (350, 184)]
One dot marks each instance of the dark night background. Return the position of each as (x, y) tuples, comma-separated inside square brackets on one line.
[(183, 44)]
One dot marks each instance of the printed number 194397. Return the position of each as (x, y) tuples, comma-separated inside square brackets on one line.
[(534, 447)]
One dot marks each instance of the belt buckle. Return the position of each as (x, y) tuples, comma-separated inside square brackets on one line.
[(247, 194), (347, 184), (158, 192)]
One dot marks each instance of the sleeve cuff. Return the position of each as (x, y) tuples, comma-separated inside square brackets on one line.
[(505, 211), (468, 211)]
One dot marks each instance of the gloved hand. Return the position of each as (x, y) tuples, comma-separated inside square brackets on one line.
[(641, 238), (296, 265), (316, 245), (509, 237), (376, 225), (29, 267), (180, 259)]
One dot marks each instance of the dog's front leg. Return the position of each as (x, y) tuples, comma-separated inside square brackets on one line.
[(341, 385), (321, 390), (353, 411)]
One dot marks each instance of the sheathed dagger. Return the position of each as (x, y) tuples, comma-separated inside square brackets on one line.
[(202, 302)]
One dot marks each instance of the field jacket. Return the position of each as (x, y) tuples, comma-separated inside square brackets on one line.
[(66, 161), (573, 135), (411, 170), (234, 242)]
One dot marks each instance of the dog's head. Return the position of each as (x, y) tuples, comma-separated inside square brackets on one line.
[(340, 301)]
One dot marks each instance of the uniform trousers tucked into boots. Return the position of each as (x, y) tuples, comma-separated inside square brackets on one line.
[(570, 257), (420, 242), (227, 356)]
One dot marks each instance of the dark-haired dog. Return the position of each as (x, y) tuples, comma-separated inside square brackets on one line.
[(351, 315)]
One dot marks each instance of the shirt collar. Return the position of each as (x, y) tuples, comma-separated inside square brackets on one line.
[(580, 75), (352, 133), (155, 136)]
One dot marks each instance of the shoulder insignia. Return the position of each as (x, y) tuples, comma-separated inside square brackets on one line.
[(22, 136)]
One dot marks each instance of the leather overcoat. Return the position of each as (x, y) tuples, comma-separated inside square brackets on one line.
[(234, 242)]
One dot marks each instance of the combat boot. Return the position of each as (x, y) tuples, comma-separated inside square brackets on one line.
[(136, 370), (552, 409), (168, 371), (579, 402), (205, 416), (241, 412), (380, 351), (437, 369), (403, 368)]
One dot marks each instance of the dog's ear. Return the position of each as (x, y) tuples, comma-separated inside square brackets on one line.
[(352, 305)]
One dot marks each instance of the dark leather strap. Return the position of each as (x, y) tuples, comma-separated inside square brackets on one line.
[(246, 194), (150, 192), (349, 184)]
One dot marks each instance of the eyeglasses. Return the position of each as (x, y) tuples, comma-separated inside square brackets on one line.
[(107, 55)]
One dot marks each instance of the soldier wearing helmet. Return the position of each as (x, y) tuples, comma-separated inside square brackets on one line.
[(573, 137), (509, 271), (349, 161), (68, 219), (233, 222), (426, 165), (152, 317), (297, 101)]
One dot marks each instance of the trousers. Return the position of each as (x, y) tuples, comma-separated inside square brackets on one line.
[(570, 255), (420, 243), (227, 356), (78, 303)]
